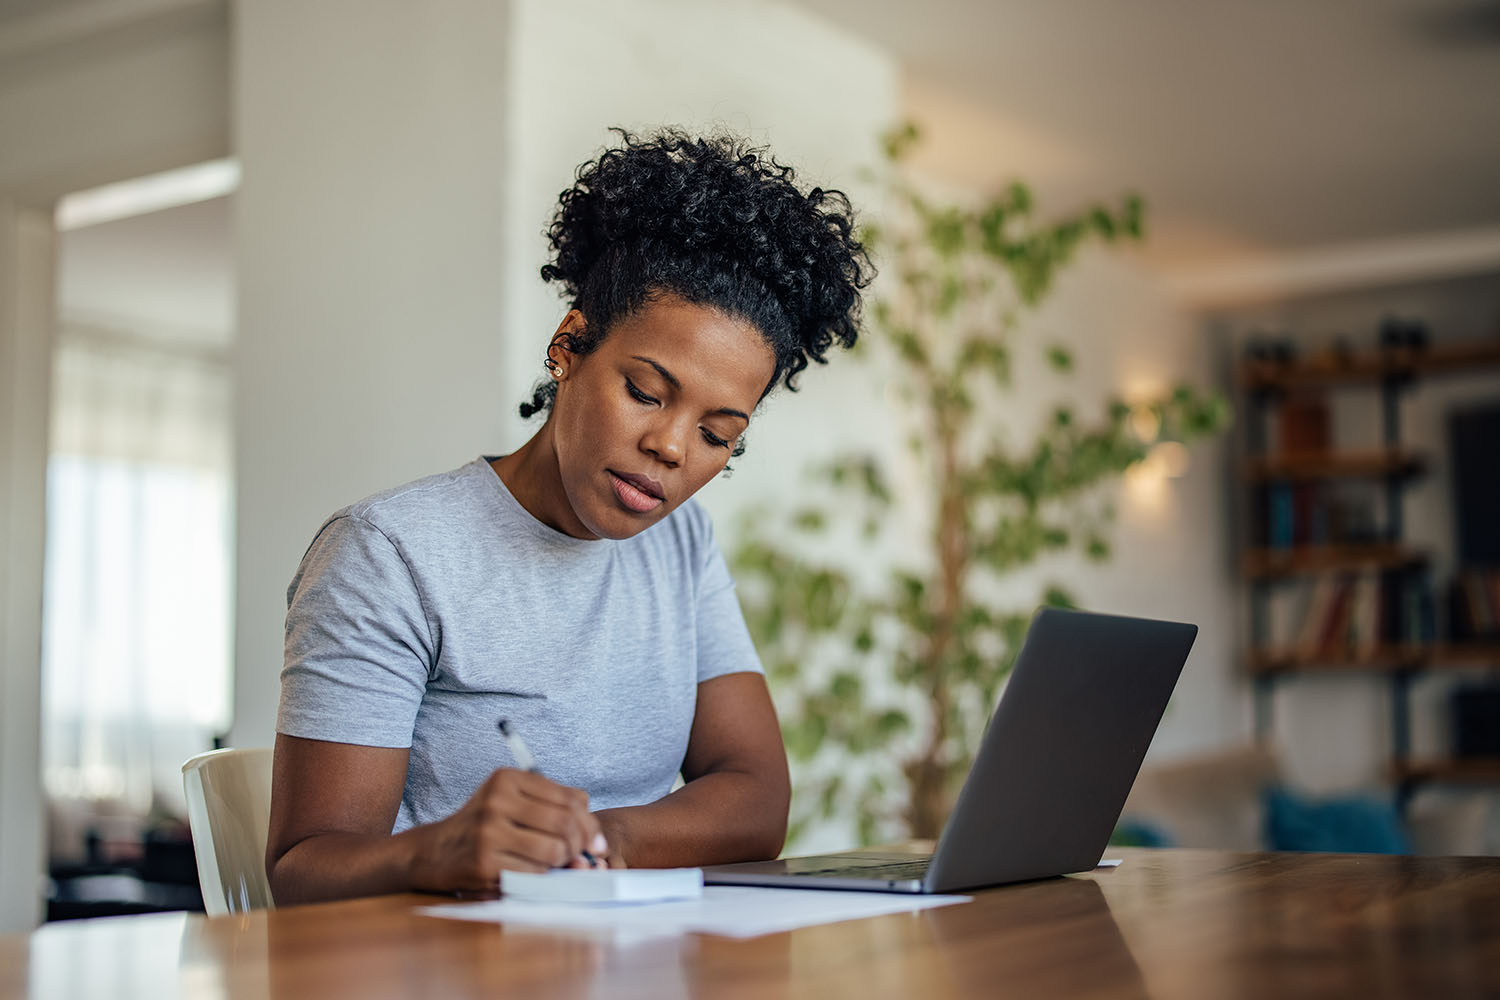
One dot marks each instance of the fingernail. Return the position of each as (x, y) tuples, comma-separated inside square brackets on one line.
[(599, 845)]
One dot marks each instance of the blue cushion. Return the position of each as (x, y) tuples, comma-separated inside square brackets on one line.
[(1353, 824)]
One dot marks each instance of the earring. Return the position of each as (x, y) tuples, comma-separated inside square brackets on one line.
[(553, 368)]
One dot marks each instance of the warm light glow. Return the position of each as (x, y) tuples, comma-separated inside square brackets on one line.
[(1170, 457), (1146, 489), (1144, 423), (1146, 482)]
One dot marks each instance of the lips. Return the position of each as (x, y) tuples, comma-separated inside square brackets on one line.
[(636, 493)]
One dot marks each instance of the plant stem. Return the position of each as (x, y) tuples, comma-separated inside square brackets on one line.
[(928, 773)]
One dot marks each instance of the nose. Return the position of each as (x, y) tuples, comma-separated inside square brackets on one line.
[(663, 440)]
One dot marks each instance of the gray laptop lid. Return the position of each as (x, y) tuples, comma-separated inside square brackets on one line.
[(1062, 749), (1053, 770)]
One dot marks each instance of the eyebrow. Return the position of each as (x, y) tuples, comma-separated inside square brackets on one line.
[(677, 384)]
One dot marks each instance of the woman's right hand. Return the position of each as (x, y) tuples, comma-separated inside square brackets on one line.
[(516, 820), (333, 806)]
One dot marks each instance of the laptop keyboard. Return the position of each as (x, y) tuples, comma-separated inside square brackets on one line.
[(894, 870)]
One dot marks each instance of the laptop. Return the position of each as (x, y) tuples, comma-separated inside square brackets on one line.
[(1053, 770)]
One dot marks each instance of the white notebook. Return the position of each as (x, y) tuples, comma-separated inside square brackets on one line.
[(616, 885)]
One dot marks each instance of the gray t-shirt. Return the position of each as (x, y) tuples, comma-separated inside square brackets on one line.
[(422, 615)]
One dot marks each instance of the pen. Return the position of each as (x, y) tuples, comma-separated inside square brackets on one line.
[(526, 762)]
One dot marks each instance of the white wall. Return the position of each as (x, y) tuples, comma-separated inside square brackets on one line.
[(368, 230), (27, 253), (140, 88)]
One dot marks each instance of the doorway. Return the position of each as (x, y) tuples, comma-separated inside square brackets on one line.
[(137, 605)]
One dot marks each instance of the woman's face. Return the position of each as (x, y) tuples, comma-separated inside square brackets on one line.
[(652, 414)]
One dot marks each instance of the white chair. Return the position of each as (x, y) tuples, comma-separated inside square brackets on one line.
[(229, 811)]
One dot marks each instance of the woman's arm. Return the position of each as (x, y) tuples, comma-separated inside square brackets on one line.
[(734, 805), (333, 806)]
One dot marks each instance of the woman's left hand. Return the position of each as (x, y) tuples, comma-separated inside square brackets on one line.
[(733, 806), (615, 834)]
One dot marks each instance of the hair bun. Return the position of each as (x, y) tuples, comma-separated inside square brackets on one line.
[(719, 222)]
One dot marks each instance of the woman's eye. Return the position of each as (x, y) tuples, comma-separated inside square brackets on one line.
[(640, 396), (714, 439)]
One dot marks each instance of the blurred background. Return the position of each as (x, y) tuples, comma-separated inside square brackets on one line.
[(258, 260)]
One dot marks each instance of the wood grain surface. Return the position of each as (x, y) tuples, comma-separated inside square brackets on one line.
[(1165, 924)]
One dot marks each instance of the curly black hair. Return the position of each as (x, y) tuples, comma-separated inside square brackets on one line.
[(719, 223)]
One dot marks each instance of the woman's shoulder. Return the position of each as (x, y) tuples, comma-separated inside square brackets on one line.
[(414, 503), (402, 526), (413, 516)]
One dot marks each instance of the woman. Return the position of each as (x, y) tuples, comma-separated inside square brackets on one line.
[(570, 587)]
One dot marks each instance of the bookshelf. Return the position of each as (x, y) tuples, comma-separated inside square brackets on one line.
[(1369, 607), (1375, 463), (1380, 658), (1450, 771), (1366, 367), (1263, 563)]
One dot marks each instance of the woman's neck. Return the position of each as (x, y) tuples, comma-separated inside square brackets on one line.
[(532, 475)]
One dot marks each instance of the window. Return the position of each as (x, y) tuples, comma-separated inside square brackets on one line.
[(137, 636)]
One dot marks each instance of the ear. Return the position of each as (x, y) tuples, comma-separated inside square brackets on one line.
[(561, 347)]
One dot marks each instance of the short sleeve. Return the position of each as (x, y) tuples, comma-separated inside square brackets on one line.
[(359, 647), (724, 645)]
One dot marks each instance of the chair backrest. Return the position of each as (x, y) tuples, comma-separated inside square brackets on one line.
[(229, 810)]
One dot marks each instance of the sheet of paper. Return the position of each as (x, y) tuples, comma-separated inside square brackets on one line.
[(728, 910)]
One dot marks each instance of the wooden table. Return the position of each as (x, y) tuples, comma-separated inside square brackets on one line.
[(1165, 924)]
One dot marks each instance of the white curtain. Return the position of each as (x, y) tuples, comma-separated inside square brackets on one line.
[(136, 617)]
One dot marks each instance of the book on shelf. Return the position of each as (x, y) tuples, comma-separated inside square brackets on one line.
[(1365, 627), (1418, 614), (1297, 516), (1321, 603), (1305, 424), (1313, 514), (1474, 604), (1344, 616), (1281, 524)]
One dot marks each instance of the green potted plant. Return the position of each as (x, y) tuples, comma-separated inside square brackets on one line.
[(884, 685)]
